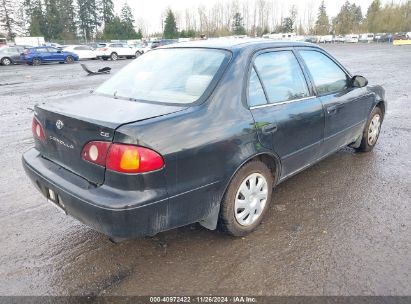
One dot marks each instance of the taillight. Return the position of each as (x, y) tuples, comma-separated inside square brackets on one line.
[(104, 49), (96, 152), (37, 129), (122, 158), (133, 159)]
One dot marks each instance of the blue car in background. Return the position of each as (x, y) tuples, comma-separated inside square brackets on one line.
[(43, 54)]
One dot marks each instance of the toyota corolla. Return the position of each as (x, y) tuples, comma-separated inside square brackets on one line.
[(198, 132)]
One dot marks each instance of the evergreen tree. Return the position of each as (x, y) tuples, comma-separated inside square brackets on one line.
[(139, 34), (34, 18), (170, 26), (88, 17), (322, 25), (127, 21), (52, 20), (68, 19), (113, 29), (372, 17), (348, 19), (107, 10), (7, 18), (288, 23), (237, 26)]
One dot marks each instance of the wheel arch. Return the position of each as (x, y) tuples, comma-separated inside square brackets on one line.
[(271, 160)]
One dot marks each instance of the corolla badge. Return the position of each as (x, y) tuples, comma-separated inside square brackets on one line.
[(59, 124)]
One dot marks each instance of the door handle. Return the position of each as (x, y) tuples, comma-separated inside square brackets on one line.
[(270, 128), (334, 108)]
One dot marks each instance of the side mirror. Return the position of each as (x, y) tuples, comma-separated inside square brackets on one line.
[(359, 81)]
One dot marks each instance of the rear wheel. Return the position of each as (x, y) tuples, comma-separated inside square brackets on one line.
[(114, 56), (69, 59), (247, 199), (36, 61), (137, 54), (6, 61), (371, 131)]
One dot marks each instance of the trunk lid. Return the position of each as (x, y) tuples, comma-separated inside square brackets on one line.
[(72, 122)]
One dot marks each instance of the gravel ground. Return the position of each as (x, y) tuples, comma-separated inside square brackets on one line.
[(341, 227)]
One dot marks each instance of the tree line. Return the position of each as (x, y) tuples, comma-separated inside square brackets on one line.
[(95, 19), (67, 19)]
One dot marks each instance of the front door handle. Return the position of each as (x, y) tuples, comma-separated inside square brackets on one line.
[(269, 128), (331, 110)]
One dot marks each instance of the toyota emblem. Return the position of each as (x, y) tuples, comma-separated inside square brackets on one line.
[(59, 124)]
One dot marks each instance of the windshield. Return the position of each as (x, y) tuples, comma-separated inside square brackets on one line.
[(167, 75)]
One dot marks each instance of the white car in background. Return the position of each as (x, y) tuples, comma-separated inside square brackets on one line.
[(115, 51), (351, 38), (83, 51)]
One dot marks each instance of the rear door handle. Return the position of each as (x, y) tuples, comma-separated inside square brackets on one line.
[(270, 128)]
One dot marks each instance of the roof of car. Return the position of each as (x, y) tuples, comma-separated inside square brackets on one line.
[(230, 44)]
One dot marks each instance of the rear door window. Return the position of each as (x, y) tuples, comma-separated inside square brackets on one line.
[(328, 77), (41, 50), (281, 75)]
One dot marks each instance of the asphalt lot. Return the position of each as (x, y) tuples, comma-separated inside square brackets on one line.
[(342, 227)]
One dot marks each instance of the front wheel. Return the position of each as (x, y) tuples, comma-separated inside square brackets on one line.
[(137, 54), (247, 199), (371, 131)]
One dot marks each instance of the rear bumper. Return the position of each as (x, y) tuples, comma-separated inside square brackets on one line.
[(114, 212)]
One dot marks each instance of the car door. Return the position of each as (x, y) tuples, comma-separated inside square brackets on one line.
[(14, 54), (42, 53), (55, 55), (288, 117), (344, 105)]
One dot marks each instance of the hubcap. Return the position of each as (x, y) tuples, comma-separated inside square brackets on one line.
[(251, 199), (374, 129), (6, 61), (114, 57)]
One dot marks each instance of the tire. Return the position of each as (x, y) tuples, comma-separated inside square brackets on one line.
[(233, 218), (69, 59), (6, 61), (36, 61), (113, 56), (371, 130), (137, 54)]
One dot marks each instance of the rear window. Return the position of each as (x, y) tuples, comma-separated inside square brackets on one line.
[(167, 75)]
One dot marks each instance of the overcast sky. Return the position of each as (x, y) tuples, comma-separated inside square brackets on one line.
[(150, 10)]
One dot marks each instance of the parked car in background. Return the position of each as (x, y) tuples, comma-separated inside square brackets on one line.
[(311, 39), (163, 42), (367, 37), (339, 39), (247, 115), (10, 55), (115, 51), (351, 38), (43, 54), (54, 45), (326, 39), (400, 36), (82, 51)]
